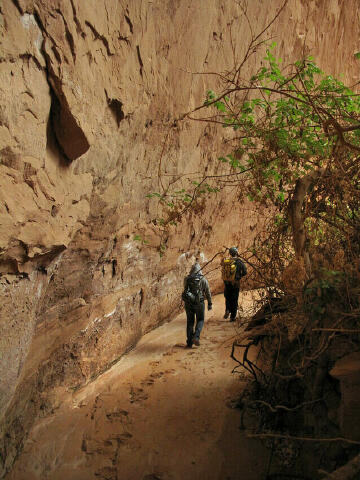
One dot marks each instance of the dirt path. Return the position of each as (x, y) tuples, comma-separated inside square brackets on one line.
[(163, 412)]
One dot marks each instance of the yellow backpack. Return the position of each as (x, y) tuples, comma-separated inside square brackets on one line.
[(228, 270)]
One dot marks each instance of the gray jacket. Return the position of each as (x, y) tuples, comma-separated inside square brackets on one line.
[(204, 284)]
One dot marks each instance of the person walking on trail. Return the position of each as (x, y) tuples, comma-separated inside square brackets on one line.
[(196, 289), (233, 269)]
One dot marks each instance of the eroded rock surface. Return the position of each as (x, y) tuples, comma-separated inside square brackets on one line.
[(89, 96)]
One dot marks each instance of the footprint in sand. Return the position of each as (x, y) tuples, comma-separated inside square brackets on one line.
[(150, 380), (97, 403), (117, 415), (167, 354), (137, 395), (107, 447), (154, 364), (107, 473)]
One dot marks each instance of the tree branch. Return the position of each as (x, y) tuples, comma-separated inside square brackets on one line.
[(302, 439)]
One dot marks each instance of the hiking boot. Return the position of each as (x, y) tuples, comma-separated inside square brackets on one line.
[(188, 345), (227, 313), (232, 319), (197, 343)]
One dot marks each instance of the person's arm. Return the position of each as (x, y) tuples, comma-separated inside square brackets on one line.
[(207, 292), (244, 268), (241, 270)]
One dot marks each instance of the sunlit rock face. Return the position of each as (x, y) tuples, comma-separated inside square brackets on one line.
[(90, 93)]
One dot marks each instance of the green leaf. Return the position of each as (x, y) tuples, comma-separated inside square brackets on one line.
[(250, 197), (281, 196), (220, 106)]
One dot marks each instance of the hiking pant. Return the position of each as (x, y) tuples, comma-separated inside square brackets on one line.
[(231, 294), (193, 312)]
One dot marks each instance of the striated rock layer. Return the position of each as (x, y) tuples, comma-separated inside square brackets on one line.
[(89, 96)]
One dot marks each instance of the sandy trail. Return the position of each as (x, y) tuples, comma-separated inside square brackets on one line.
[(162, 412)]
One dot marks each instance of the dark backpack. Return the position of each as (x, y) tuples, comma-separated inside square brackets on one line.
[(193, 294), (241, 269)]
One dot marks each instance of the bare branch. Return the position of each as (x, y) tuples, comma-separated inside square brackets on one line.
[(337, 330), (302, 439), (275, 408)]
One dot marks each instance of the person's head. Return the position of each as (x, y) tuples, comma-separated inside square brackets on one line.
[(233, 251), (195, 269)]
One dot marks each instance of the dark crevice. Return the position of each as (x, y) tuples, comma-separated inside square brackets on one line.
[(69, 137), (114, 265), (140, 59), (128, 21), (75, 18), (63, 131), (98, 36), (52, 141), (115, 106), (39, 21), (44, 259), (32, 113), (56, 53), (17, 5), (28, 57), (68, 35), (10, 264), (141, 298), (124, 39), (54, 210)]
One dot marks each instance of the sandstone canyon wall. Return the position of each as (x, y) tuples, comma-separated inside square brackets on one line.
[(90, 93)]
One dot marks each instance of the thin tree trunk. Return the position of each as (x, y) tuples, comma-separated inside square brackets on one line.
[(297, 218)]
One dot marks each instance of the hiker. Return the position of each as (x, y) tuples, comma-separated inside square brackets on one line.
[(232, 270), (196, 288)]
